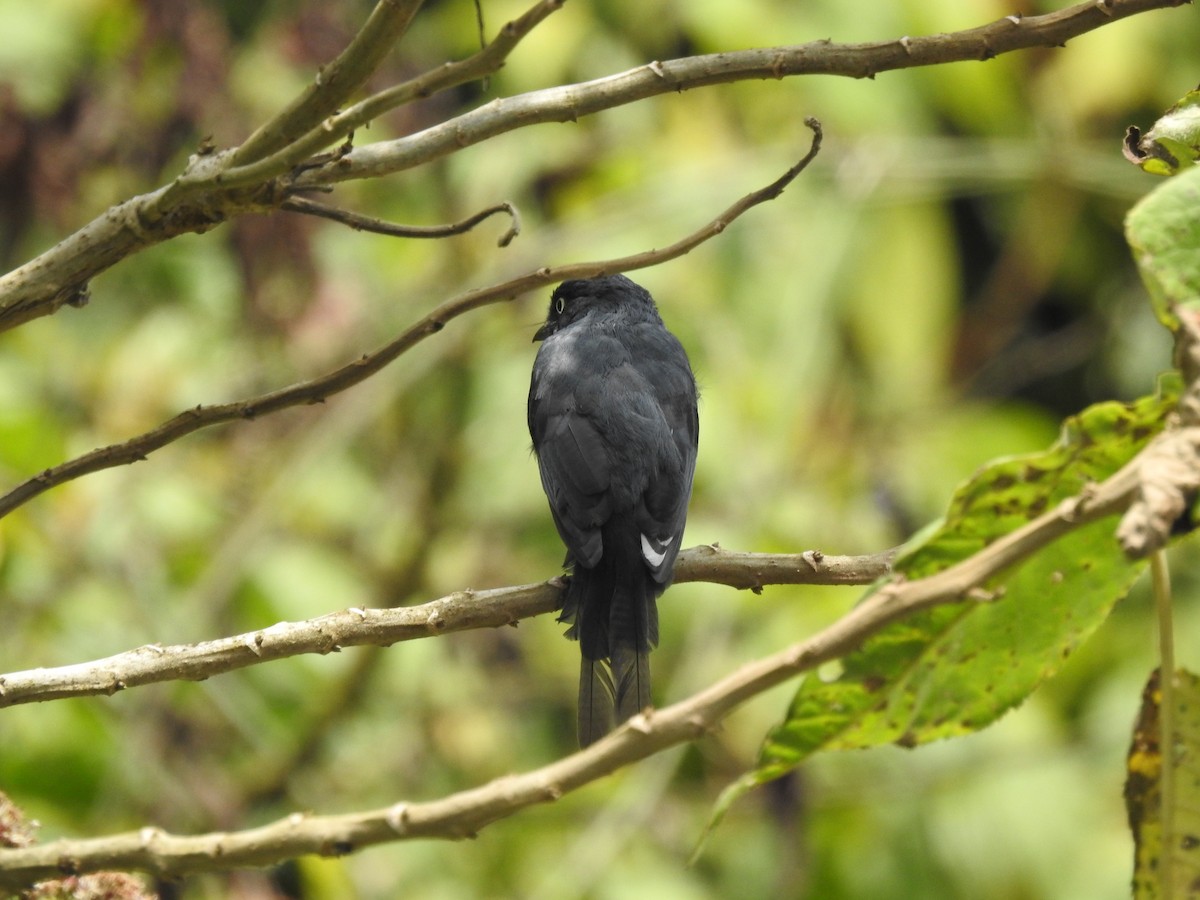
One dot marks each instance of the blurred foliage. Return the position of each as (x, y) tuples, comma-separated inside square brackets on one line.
[(944, 285)]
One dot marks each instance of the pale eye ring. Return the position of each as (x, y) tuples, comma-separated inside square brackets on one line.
[(559, 305)]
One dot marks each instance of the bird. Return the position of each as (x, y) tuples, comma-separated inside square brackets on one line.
[(613, 417)]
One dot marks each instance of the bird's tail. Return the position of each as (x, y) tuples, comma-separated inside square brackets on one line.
[(631, 616), (615, 618)]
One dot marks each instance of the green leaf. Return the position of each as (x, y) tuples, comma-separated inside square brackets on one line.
[(956, 668), (1163, 230), (1144, 796), (1173, 144)]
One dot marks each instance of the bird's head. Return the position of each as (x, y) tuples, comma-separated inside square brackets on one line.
[(605, 295)]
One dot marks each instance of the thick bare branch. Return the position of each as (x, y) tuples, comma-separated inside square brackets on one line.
[(465, 813), (462, 611), (488, 60), (214, 188), (335, 83), (318, 389), (203, 197), (571, 102)]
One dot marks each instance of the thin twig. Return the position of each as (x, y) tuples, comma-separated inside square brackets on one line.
[(461, 611), (463, 814), (359, 222), (318, 389)]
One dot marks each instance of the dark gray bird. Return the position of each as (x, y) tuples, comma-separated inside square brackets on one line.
[(612, 414)]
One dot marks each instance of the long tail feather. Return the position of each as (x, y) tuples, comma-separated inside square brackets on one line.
[(596, 711), (631, 675), (629, 632), (612, 613)]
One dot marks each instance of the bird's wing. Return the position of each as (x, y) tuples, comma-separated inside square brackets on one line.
[(573, 458), (662, 510)]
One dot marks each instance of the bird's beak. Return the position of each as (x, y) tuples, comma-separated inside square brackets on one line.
[(542, 333)]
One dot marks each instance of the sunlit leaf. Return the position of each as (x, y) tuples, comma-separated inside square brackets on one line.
[(1173, 144), (1164, 231)]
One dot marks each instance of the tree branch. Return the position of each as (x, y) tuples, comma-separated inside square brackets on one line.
[(461, 611), (201, 197), (360, 222), (568, 103), (335, 82), (488, 60), (216, 187), (465, 813), (1169, 479), (318, 389)]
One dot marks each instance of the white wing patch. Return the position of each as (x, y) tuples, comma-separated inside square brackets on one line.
[(652, 554)]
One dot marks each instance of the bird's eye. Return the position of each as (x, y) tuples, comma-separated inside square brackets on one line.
[(559, 305)]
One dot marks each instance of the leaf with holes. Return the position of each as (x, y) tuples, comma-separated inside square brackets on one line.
[(1178, 865), (954, 669)]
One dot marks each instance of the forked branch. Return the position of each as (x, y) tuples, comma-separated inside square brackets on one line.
[(219, 186), (318, 389)]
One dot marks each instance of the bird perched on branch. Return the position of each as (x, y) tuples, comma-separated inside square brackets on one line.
[(612, 414)]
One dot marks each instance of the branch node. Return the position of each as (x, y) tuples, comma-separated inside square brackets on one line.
[(1071, 509), (358, 611), (798, 659), (641, 722), (78, 296), (906, 44), (1015, 18), (1105, 6), (983, 595), (67, 865), (132, 221), (657, 68), (397, 818), (814, 558)]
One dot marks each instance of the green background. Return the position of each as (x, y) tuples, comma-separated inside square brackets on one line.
[(943, 286)]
